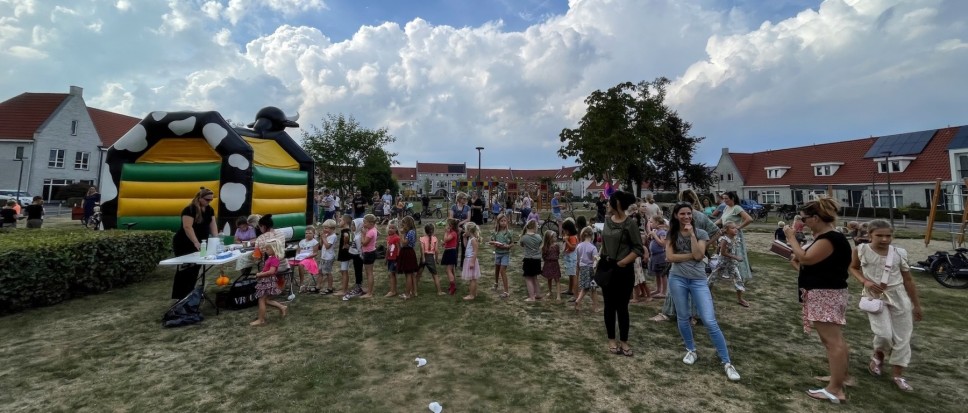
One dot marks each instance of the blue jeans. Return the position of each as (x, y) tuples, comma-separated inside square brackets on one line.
[(681, 289)]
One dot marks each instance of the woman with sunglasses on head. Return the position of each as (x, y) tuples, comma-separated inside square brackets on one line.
[(621, 245), (197, 223), (685, 249), (822, 282)]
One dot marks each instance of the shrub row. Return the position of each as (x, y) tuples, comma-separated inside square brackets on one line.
[(44, 267)]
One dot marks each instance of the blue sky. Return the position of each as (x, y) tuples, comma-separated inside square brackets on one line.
[(446, 76)]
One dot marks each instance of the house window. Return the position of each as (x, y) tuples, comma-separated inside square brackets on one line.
[(816, 194), (771, 197), (895, 167), (53, 187), (81, 160), (729, 177), (821, 170), (962, 166), (56, 158), (73, 128), (20, 153), (942, 198), (882, 197)]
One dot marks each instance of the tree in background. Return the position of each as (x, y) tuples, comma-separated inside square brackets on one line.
[(375, 175), (345, 152), (628, 134)]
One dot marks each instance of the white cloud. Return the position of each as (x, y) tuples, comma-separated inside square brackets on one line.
[(876, 66)]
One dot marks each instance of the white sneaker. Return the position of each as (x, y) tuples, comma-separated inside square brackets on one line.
[(731, 372), (690, 357)]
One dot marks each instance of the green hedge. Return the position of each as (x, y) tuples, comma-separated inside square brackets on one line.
[(44, 267)]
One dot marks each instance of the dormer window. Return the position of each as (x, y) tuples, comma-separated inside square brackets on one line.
[(825, 168), (897, 163), (775, 172)]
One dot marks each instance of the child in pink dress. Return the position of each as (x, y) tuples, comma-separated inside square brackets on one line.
[(268, 284), (550, 252), (472, 269)]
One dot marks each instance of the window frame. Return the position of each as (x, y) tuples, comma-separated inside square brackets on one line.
[(55, 159), (84, 163)]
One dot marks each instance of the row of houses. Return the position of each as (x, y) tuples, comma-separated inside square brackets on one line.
[(441, 179), (896, 170)]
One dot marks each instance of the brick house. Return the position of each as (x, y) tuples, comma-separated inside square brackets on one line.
[(855, 172), (57, 139), (442, 176)]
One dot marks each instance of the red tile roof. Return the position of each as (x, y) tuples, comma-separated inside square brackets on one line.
[(565, 173), (440, 168), (111, 126), (402, 173), (22, 115), (534, 174), (489, 174), (931, 163)]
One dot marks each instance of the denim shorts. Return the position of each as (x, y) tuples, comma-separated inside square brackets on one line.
[(392, 265), (502, 259), (344, 265)]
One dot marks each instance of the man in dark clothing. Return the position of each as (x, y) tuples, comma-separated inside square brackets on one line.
[(600, 205), (359, 205), (477, 209)]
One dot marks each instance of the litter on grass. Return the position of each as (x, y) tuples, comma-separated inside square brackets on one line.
[(420, 362), (435, 407)]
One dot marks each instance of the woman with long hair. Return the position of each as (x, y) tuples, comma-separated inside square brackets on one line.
[(823, 268), (621, 245), (197, 224), (685, 249)]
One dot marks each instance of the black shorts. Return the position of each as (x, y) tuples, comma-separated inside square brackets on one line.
[(531, 267), (449, 257), (369, 257)]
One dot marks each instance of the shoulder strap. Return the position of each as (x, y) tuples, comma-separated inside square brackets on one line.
[(888, 264)]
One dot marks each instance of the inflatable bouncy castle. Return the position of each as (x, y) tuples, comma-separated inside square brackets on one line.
[(155, 169)]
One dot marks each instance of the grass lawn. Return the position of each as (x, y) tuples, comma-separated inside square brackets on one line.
[(108, 353)]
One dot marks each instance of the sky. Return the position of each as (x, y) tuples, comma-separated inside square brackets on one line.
[(446, 76)]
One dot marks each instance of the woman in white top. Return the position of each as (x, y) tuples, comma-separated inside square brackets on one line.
[(885, 273)]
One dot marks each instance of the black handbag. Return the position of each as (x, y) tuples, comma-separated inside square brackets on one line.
[(606, 265), (241, 294)]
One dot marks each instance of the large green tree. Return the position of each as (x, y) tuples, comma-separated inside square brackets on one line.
[(375, 175), (628, 134), (342, 148)]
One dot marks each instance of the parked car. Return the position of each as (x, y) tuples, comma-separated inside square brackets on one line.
[(23, 197), (755, 209)]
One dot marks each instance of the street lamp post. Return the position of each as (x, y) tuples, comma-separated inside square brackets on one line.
[(890, 194), (479, 149), (20, 177)]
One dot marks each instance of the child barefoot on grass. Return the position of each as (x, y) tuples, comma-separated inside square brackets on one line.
[(268, 285), (569, 231), (393, 251), (428, 254), (551, 268), (368, 246), (449, 260), (728, 261), (472, 269), (531, 264), (501, 241), (305, 260), (587, 253), (327, 256)]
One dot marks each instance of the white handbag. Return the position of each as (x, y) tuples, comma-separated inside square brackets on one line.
[(876, 305)]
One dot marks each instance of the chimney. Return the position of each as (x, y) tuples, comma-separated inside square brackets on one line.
[(77, 91), (725, 151)]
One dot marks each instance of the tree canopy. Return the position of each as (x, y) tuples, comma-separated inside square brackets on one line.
[(629, 134), (349, 156)]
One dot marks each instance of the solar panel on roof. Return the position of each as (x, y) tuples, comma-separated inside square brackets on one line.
[(901, 144), (455, 169), (960, 141)]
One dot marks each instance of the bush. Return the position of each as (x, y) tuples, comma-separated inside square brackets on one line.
[(49, 266)]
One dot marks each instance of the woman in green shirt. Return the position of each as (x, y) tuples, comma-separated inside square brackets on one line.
[(621, 244)]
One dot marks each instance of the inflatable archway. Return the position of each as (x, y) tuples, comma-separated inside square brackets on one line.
[(156, 168)]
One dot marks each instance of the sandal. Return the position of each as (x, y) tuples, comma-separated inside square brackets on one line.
[(874, 367), (627, 352), (902, 384), (614, 350), (823, 394), (660, 318), (744, 303)]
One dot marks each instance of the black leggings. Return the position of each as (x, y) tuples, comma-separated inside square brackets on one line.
[(616, 299), (358, 269)]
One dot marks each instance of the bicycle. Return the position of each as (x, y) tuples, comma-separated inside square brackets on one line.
[(437, 212)]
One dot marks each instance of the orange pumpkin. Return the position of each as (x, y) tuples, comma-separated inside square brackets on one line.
[(222, 280)]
